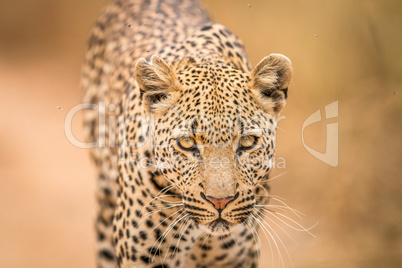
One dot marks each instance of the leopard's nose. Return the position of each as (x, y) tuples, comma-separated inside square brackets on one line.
[(219, 203)]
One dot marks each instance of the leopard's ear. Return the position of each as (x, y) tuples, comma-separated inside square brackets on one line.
[(157, 82), (269, 81)]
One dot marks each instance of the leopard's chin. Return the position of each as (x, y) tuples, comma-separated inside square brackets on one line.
[(218, 227)]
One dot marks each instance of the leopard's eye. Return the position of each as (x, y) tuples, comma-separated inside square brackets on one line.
[(186, 143), (247, 142)]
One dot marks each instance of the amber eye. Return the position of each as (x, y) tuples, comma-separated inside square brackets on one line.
[(248, 142), (186, 143)]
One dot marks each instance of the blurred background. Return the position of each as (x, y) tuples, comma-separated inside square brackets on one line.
[(345, 51)]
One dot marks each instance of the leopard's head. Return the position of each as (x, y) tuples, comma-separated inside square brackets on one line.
[(214, 132)]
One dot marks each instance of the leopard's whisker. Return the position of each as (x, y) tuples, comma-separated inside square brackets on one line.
[(181, 235), (272, 209), (284, 208), (163, 191), (147, 215), (169, 195), (276, 234), (166, 232), (168, 247), (294, 211), (165, 220), (163, 204), (276, 197), (277, 176), (280, 227), (170, 227), (256, 237), (150, 203), (303, 229), (268, 240), (272, 237)]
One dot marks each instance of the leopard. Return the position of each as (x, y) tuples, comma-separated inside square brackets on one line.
[(182, 133)]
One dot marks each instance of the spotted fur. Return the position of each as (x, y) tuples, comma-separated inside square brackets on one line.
[(156, 71)]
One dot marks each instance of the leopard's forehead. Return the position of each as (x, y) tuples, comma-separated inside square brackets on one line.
[(217, 102)]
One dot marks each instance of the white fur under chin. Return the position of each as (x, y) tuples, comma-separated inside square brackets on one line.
[(220, 229)]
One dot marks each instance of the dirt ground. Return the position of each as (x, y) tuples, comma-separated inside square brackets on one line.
[(345, 51)]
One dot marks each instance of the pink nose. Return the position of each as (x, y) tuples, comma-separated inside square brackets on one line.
[(219, 203)]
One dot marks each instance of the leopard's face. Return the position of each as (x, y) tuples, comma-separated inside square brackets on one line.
[(215, 144), (214, 140)]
